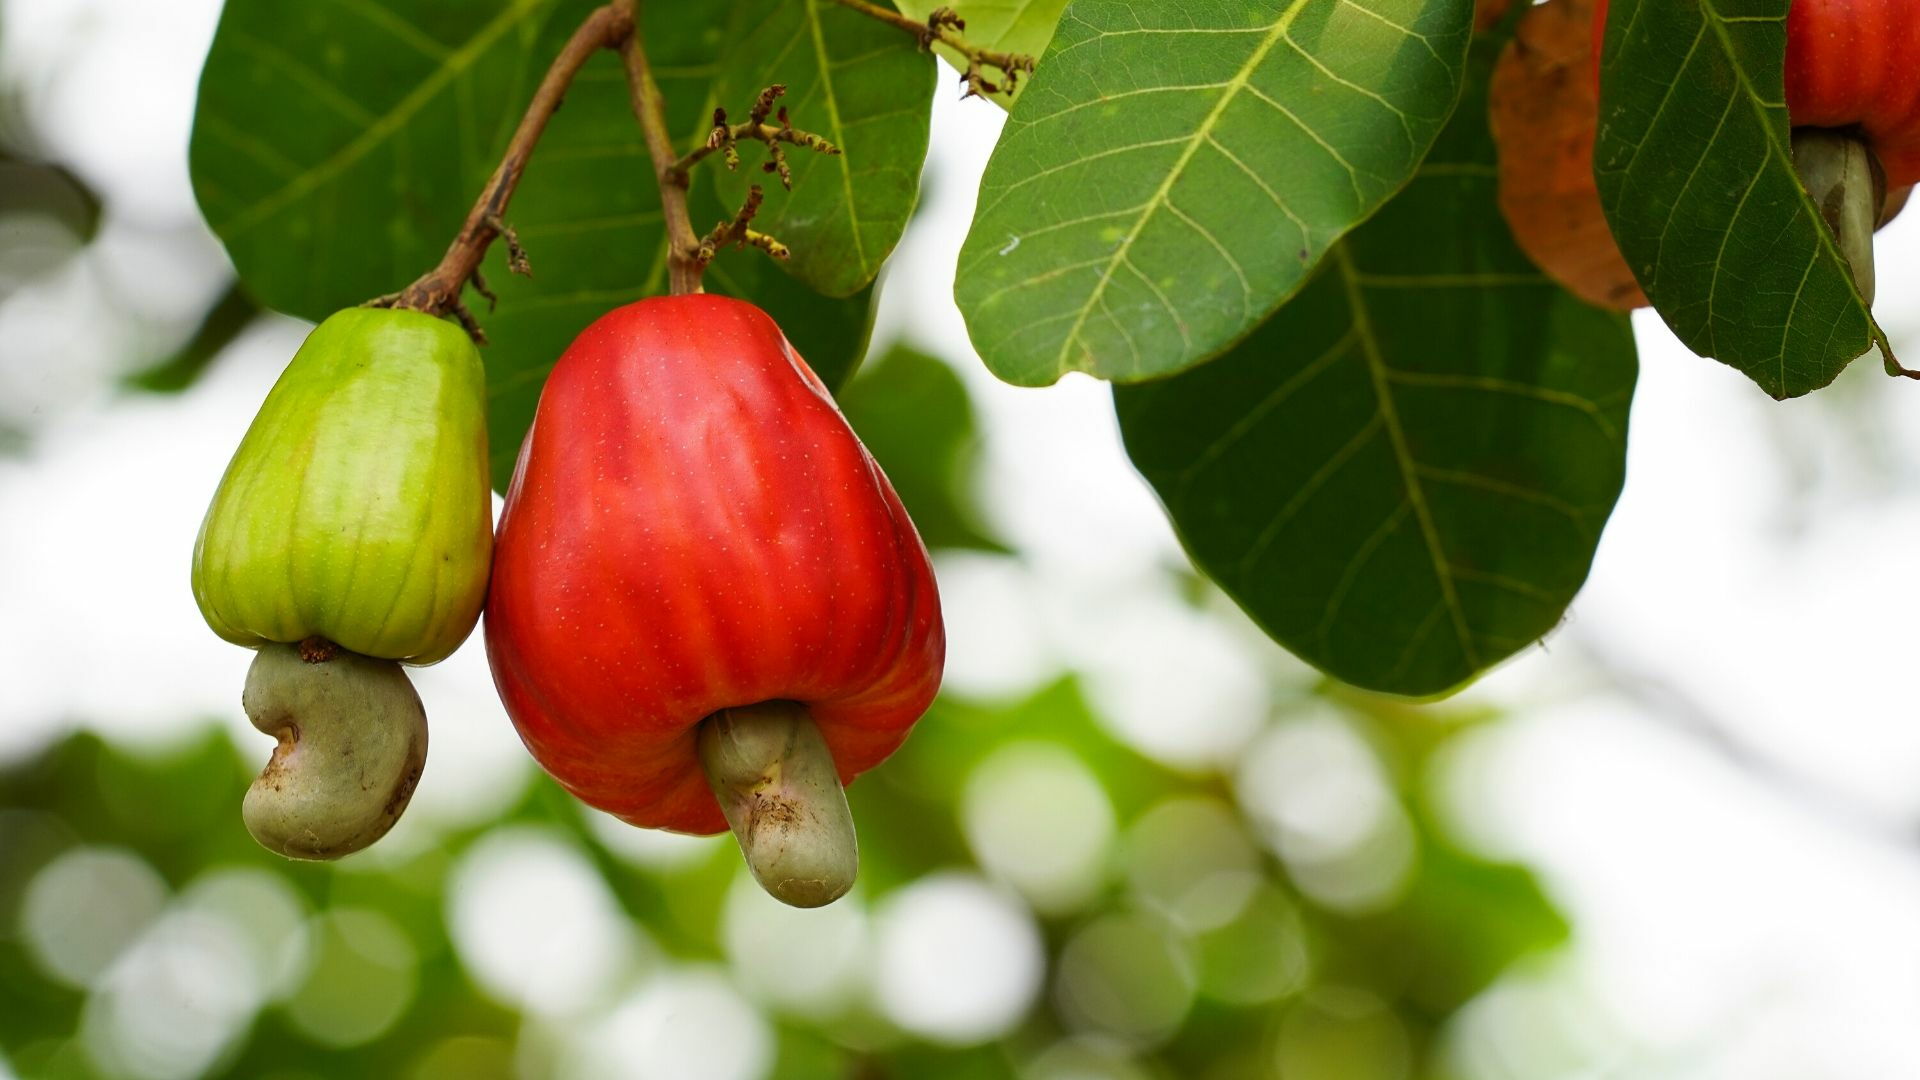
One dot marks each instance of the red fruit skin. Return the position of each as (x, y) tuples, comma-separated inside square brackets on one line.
[(1851, 63), (692, 526), (1857, 62)]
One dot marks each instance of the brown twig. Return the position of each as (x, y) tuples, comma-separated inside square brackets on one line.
[(724, 137), (944, 27), (649, 107), (736, 234), (687, 253), (612, 26), (437, 292)]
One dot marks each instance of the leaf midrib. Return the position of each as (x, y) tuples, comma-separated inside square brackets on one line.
[(832, 102), (1201, 135), (1403, 456)]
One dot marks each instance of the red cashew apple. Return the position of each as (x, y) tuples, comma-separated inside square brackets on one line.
[(1853, 96), (701, 569), (1855, 64)]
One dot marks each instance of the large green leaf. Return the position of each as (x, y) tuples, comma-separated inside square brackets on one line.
[(1022, 27), (1697, 181), (1403, 475), (1175, 171), (865, 87), (337, 148)]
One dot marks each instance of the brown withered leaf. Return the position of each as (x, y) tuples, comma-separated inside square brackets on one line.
[(1488, 12), (1544, 111)]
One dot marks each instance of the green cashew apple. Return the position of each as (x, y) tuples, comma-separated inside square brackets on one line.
[(358, 507), (352, 532)]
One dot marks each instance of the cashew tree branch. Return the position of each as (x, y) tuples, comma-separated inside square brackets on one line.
[(649, 107), (437, 292), (944, 27)]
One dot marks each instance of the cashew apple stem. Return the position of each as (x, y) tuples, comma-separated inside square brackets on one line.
[(777, 784), (437, 292), (649, 107), (687, 253), (615, 25), (1848, 186), (352, 743)]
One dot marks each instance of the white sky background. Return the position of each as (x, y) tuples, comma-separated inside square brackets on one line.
[(1756, 580)]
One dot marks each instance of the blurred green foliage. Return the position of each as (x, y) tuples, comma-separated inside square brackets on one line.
[(1274, 982), (912, 412)]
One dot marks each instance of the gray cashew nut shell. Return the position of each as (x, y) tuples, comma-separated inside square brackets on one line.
[(352, 742)]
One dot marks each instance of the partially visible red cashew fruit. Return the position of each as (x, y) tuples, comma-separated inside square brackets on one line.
[(1543, 113), (708, 606), (1853, 96)]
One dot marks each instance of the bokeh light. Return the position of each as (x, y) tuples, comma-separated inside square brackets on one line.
[(956, 961), (1170, 680), (811, 962), (267, 916), (1128, 975), (179, 997), (996, 647), (683, 1024), (1037, 819), (536, 925), (1542, 1020), (362, 978), (1086, 1057), (1262, 955), (1324, 803), (1190, 859), (86, 907), (477, 768)]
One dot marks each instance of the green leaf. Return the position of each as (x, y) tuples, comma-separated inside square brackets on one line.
[(863, 86), (1022, 27), (337, 148), (1403, 475), (223, 323), (913, 413), (1697, 181), (1175, 172)]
